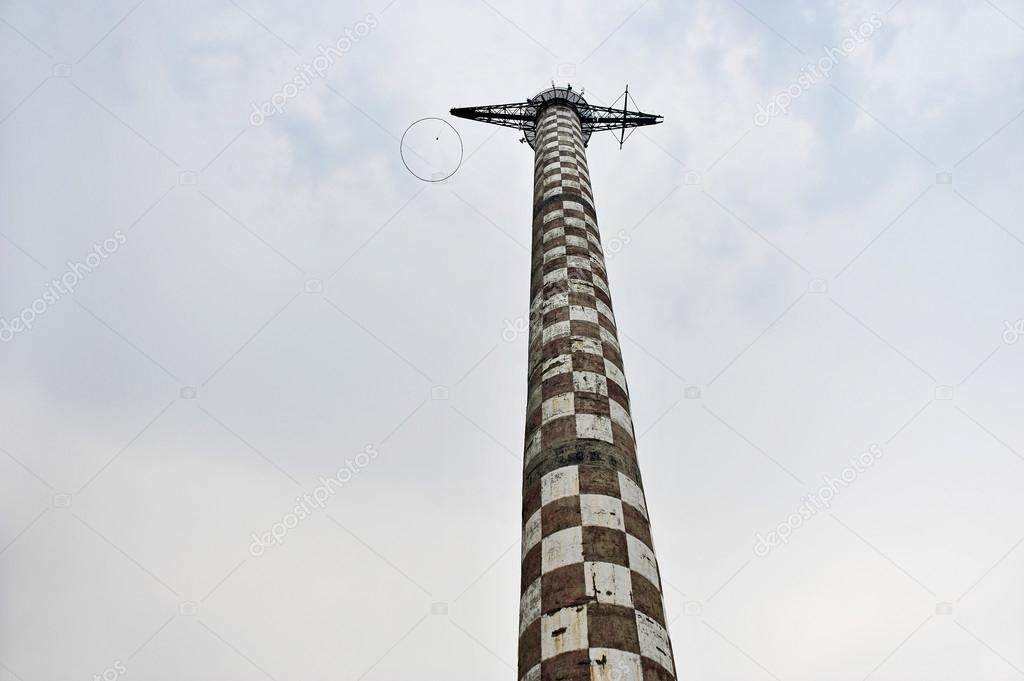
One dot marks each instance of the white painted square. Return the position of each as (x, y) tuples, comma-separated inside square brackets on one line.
[(557, 275), (529, 606), (552, 253), (605, 310), (607, 336), (561, 482), (591, 221), (578, 261), (594, 427), (571, 184), (609, 664), (553, 215), (561, 548), (556, 330), (654, 641), (612, 373), (553, 179), (583, 314), (555, 301), (632, 494), (574, 222), (550, 166), (554, 233), (573, 240), (609, 583), (579, 286), (562, 364), (556, 407), (641, 559), (602, 511), (588, 345), (536, 331), (621, 417), (532, 447), (563, 631), (531, 533), (572, 205), (589, 382), (600, 283), (555, 191)]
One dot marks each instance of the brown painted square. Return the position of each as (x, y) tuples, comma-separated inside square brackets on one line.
[(646, 598), (560, 514), (612, 626), (563, 588), (529, 647), (571, 666), (599, 480), (605, 544)]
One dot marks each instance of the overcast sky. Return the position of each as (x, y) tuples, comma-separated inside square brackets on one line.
[(219, 282)]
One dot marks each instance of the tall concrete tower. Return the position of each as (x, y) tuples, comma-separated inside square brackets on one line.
[(591, 603)]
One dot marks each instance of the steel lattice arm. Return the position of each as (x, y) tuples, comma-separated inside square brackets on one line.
[(523, 115)]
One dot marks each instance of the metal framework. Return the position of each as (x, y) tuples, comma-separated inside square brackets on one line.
[(524, 115)]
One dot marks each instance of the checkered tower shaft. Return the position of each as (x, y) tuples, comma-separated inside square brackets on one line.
[(591, 606)]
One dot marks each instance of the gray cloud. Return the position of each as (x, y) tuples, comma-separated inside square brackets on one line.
[(289, 294)]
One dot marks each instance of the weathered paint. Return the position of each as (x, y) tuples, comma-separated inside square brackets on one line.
[(591, 608)]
